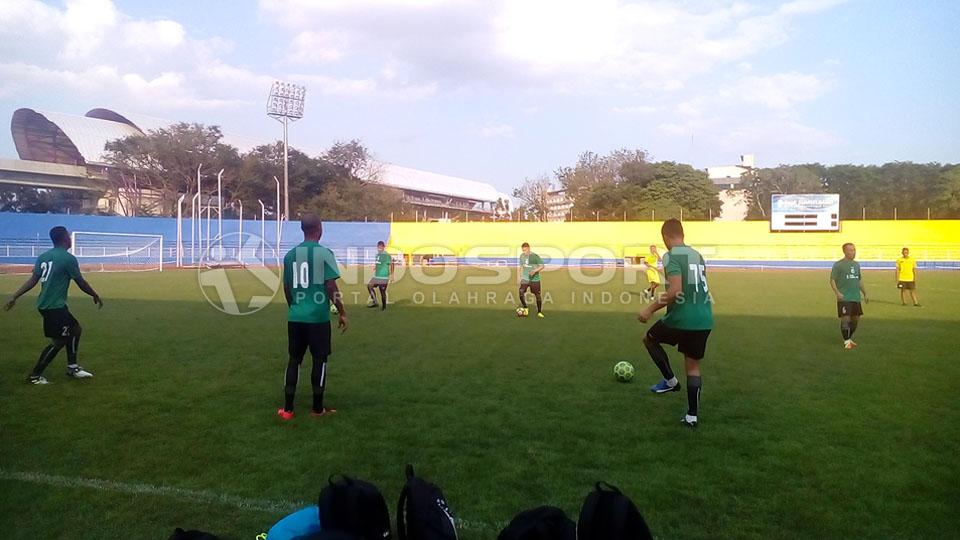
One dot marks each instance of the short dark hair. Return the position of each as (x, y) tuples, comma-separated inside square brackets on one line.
[(58, 234), (523, 245), (672, 228), (310, 223), (380, 243), (905, 248), (845, 245)]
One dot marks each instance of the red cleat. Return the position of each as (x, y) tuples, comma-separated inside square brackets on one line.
[(324, 412), (286, 415)]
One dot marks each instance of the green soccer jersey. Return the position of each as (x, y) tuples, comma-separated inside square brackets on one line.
[(846, 274), (55, 269), (383, 265), (693, 308), (306, 269), (527, 263)]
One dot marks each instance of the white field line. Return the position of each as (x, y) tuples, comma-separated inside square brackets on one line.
[(187, 495)]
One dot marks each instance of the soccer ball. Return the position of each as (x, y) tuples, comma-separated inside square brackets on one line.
[(333, 309), (521, 312), (623, 371)]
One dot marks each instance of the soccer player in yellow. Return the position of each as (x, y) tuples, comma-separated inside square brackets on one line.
[(907, 277), (650, 261)]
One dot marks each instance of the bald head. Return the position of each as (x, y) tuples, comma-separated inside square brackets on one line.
[(311, 226)]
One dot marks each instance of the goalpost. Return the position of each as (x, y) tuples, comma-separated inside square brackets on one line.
[(112, 252)]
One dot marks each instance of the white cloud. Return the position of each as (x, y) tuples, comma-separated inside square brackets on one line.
[(311, 47), (566, 45), (636, 109), (495, 130), (780, 91)]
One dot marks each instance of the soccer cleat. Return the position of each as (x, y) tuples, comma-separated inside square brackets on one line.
[(324, 412), (285, 414), (540, 316), (37, 379), (526, 312), (689, 421), (371, 304), (78, 372), (662, 387)]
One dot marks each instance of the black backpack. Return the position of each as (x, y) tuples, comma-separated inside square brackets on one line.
[(349, 505), (608, 514), (422, 511), (180, 534), (542, 523)]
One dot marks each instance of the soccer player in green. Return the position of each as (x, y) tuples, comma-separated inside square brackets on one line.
[(383, 268), (688, 321), (848, 288), (530, 267), (310, 275), (54, 270)]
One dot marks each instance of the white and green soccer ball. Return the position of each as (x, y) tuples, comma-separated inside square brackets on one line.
[(623, 371), (333, 309)]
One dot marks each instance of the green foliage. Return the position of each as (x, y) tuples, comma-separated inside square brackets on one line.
[(642, 190), (166, 161), (40, 201), (339, 185), (911, 188)]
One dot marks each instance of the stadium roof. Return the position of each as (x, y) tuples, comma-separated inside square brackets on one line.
[(441, 184), (55, 137), (70, 139)]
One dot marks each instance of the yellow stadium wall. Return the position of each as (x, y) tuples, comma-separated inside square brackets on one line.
[(935, 240)]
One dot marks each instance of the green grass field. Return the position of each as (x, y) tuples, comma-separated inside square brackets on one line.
[(798, 438)]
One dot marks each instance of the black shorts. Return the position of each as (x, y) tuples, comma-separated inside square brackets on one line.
[(301, 335), (534, 287), (58, 323), (907, 285), (849, 309), (692, 343), (379, 282)]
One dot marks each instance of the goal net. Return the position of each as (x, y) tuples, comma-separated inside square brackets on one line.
[(115, 252)]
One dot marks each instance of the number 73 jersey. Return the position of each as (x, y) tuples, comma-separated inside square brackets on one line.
[(306, 269), (693, 308)]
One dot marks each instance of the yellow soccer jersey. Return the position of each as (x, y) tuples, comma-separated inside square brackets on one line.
[(652, 275), (905, 267)]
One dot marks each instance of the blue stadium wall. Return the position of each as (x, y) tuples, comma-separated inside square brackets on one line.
[(22, 236)]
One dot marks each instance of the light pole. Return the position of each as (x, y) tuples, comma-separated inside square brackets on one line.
[(285, 104), (263, 222), (278, 219)]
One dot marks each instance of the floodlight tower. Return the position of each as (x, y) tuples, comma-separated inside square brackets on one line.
[(285, 105)]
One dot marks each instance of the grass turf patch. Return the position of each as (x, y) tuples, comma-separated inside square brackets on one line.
[(798, 437)]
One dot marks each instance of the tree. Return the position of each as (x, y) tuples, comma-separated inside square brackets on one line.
[(307, 177), (533, 196), (663, 188), (165, 162), (783, 179), (592, 169), (40, 200)]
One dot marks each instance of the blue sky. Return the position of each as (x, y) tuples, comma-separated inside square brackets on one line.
[(501, 90)]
